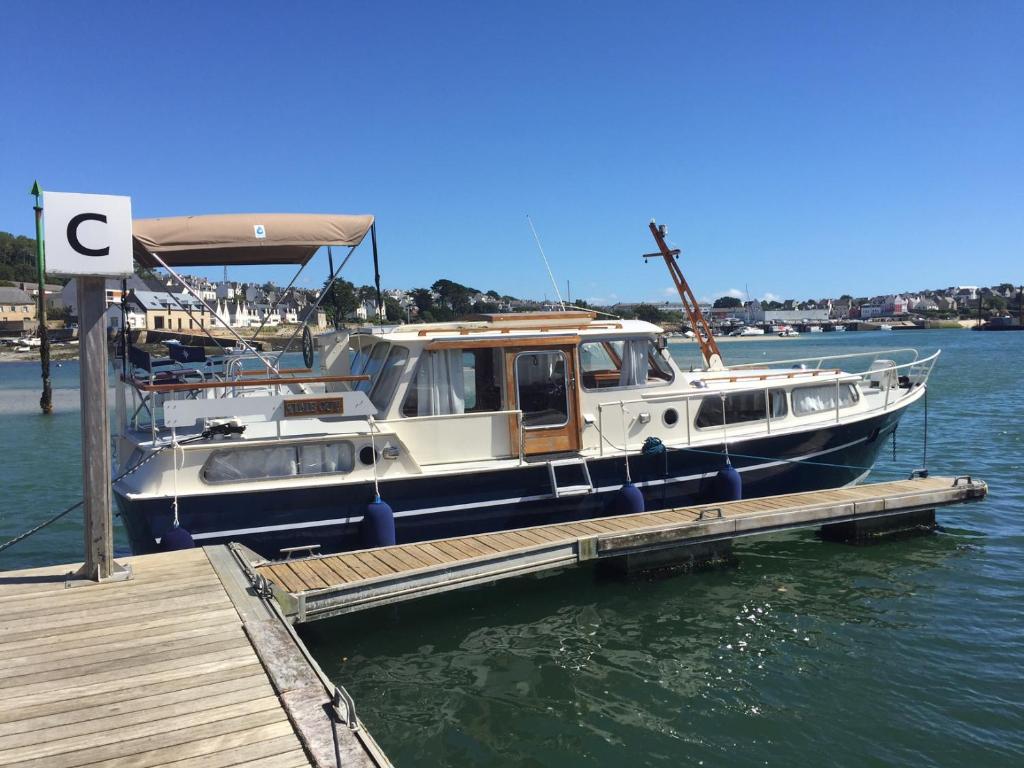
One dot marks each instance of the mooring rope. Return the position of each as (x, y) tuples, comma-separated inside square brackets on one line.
[(22, 536)]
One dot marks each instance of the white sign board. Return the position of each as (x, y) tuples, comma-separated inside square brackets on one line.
[(87, 234)]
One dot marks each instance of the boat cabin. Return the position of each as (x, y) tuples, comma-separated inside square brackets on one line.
[(531, 374)]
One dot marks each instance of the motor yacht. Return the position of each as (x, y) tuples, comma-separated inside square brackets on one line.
[(491, 422)]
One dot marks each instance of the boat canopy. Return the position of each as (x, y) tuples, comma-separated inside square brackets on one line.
[(243, 238)]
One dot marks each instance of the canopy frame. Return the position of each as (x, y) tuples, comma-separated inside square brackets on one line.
[(210, 246)]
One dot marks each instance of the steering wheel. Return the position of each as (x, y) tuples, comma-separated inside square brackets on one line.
[(307, 347)]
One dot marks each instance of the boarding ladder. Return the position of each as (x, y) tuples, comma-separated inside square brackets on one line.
[(574, 478)]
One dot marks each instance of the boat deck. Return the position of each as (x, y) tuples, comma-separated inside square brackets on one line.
[(174, 666), (321, 586)]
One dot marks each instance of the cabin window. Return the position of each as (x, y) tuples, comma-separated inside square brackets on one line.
[(822, 397), (382, 391), (622, 363), (740, 407), (371, 365), (542, 389), (455, 381), (360, 356), (278, 462)]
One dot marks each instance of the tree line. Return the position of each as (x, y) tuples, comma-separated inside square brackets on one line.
[(18, 260), (443, 301)]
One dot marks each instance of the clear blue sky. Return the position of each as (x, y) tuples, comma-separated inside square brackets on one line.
[(801, 149)]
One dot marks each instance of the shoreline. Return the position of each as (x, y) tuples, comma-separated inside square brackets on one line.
[(65, 353)]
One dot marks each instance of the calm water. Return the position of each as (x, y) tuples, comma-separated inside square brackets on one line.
[(806, 653)]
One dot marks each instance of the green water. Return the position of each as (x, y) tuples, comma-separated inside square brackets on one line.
[(804, 654)]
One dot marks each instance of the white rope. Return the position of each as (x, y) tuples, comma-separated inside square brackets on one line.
[(373, 446), (625, 441), (174, 455), (725, 430)]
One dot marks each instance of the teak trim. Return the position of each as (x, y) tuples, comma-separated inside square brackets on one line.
[(524, 343), (511, 328), (186, 387)]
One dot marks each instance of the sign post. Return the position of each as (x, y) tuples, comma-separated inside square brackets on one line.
[(89, 237)]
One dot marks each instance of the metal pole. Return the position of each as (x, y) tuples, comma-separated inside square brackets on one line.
[(320, 297), (376, 272), (46, 399), (334, 294), (99, 562)]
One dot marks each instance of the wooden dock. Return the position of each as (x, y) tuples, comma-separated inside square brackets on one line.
[(320, 586), (181, 665), (192, 662)]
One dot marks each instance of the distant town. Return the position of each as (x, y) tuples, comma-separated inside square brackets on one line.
[(151, 301)]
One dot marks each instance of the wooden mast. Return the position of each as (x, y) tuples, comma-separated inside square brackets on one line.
[(708, 345)]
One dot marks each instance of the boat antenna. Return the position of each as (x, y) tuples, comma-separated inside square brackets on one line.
[(550, 274)]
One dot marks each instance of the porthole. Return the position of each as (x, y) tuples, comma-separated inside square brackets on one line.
[(366, 455), (670, 417)]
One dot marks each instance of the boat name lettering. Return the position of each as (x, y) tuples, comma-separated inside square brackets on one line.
[(320, 406)]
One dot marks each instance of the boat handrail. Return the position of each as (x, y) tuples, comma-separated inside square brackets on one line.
[(189, 386), (233, 363), (263, 371), (782, 374), (406, 419), (822, 358), (923, 367)]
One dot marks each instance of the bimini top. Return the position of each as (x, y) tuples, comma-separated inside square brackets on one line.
[(243, 238)]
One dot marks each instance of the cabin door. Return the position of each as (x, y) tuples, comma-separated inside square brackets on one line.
[(542, 384)]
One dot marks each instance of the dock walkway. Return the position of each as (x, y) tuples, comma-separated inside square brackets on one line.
[(321, 586), (175, 666)]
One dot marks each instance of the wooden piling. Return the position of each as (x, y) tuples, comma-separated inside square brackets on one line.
[(99, 535)]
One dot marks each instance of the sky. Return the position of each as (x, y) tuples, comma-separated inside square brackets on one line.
[(794, 149)]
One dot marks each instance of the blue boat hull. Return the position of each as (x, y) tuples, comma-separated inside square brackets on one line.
[(431, 507)]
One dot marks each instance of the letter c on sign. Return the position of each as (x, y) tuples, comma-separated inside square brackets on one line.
[(73, 226)]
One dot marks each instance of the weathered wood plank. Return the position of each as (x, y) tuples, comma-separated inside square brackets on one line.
[(113, 721), (157, 749), (280, 752), (62, 706), (466, 552), (110, 682), (343, 573), (442, 557), (305, 572), (376, 563), (102, 633), (121, 654), (357, 565), (62, 624), (65, 602), (125, 729), (89, 673), (389, 558), (154, 700), (413, 558)]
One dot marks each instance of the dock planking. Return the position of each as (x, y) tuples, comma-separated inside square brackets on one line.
[(161, 669), (326, 585)]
